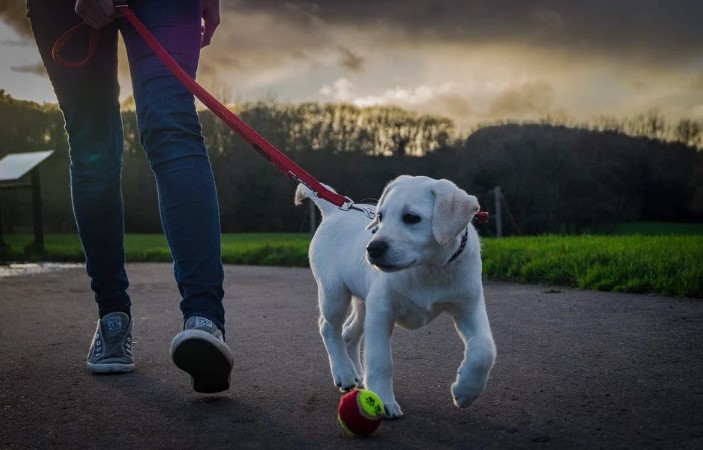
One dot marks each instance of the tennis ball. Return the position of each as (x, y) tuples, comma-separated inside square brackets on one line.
[(360, 412)]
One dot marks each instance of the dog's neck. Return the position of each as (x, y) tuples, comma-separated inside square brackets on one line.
[(462, 246)]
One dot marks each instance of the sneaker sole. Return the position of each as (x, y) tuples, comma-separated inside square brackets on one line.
[(109, 367), (205, 358)]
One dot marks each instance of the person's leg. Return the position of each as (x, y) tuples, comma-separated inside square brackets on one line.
[(171, 135), (88, 98)]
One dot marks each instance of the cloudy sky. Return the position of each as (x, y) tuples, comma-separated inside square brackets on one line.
[(471, 60)]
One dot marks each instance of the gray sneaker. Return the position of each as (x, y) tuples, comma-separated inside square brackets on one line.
[(201, 351), (111, 349)]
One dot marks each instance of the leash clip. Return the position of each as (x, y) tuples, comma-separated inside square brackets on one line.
[(349, 204)]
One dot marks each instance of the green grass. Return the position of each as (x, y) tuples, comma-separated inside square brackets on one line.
[(280, 249), (671, 265), (667, 264), (285, 249)]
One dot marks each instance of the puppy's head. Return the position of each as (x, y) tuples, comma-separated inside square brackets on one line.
[(417, 218)]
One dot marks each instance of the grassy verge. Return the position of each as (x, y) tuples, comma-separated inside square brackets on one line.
[(671, 265), (266, 249), (273, 249)]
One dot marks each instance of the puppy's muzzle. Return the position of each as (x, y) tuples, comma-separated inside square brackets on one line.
[(376, 249)]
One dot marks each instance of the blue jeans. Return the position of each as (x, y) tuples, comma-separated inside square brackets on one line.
[(169, 132)]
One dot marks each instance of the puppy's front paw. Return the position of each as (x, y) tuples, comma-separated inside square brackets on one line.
[(347, 380), (464, 395), (393, 410)]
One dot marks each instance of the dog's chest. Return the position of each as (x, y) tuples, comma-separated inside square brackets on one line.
[(412, 316), (418, 308)]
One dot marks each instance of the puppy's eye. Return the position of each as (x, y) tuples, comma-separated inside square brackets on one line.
[(411, 218), (379, 216)]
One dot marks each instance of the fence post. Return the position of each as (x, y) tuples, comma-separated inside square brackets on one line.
[(37, 211), (2, 227), (499, 212)]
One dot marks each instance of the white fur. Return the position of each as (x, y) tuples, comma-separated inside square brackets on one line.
[(409, 284)]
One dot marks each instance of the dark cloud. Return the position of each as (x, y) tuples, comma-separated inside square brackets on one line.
[(628, 28), (16, 43), (14, 13), (351, 60), (35, 69)]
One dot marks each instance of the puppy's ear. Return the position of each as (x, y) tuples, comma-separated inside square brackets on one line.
[(386, 190), (453, 210)]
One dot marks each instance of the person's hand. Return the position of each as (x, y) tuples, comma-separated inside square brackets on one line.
[(210, 14), (96, 13)]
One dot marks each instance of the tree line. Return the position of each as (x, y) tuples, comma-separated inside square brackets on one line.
[(555, 178)]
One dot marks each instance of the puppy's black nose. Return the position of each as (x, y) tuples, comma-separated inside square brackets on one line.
[(376, 249)]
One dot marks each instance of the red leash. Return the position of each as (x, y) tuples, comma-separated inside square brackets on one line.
[(66, 38), (287, 166)]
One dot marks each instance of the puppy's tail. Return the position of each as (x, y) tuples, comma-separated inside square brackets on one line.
[(303, 192)]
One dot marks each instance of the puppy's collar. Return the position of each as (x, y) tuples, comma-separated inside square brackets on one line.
[(462, 246)]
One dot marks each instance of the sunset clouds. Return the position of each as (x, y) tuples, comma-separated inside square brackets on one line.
[(473, 61)]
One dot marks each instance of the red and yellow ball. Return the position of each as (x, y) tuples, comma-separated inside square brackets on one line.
[(360, 412)]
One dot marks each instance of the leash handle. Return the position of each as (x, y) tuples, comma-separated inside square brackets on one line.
[(261, 145), (65, 38)]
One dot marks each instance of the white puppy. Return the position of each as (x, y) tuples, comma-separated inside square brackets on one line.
[(420, 256)]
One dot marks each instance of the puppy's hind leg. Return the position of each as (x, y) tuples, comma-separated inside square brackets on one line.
[(334, 303), (353, 331)]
